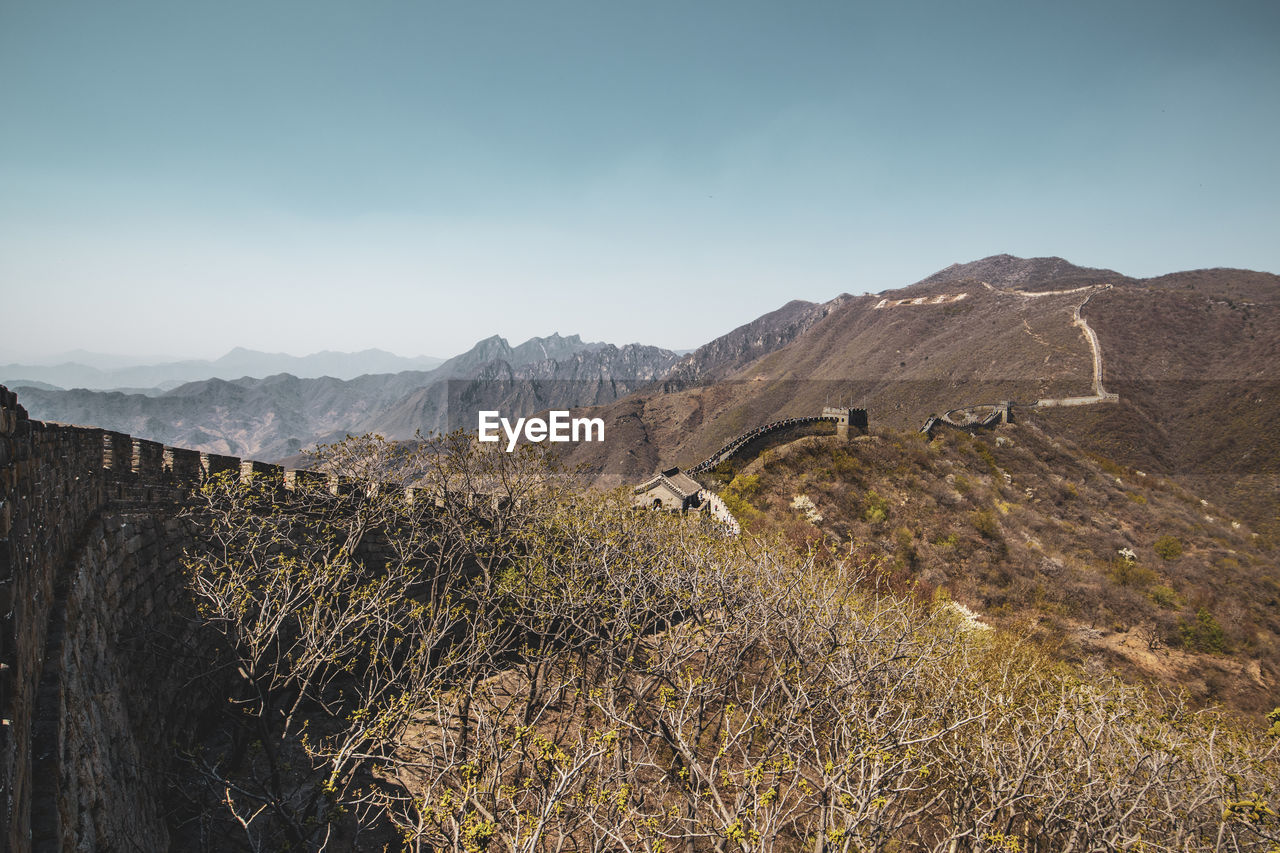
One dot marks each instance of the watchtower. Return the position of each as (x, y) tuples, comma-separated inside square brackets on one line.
[(844, 418)]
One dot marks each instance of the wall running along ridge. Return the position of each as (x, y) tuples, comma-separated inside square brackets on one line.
[(97, 627), (95, 618), (92, 623)]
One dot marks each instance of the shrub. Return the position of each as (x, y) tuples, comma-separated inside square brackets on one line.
[(737, 496), (984, 453), (1204, 634), (843, 464), (985, 523), (1164, 596), (1125, 572), (1167, 548), (623, 679), (875, 509)]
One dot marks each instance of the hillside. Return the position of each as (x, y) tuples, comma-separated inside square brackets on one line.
[(1034, 534), (1194, 357), (1190, 355)]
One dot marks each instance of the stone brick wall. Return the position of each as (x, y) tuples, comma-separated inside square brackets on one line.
[(123, 697), (51, 485), (93, 629), (96, 637)]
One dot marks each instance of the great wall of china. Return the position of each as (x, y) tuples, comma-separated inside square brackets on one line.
[(842, 418), (967, 418), (91, 586), (1100, 394), (94, 615), (91, 609)]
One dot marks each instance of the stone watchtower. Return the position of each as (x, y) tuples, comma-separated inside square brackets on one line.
[(845, 418)]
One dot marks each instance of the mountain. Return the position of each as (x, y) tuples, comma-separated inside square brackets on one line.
[(279, 415), (591, 376), (744, 344), (101, 372), (496, 348), (1191, 356)]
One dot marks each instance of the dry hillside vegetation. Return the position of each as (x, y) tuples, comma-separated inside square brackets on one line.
[(1193, 356), (1116, 566), (549, 669)]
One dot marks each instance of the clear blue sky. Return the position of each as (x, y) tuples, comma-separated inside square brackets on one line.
[(182, 177)]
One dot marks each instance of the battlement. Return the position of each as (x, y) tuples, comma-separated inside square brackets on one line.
[(91, 575), (845, 418)]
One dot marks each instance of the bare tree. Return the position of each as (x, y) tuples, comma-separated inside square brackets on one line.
[(497, 660)]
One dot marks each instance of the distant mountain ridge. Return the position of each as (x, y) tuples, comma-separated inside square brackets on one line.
[(1192, 356), (279, 415), (237, 363), (593, 375)]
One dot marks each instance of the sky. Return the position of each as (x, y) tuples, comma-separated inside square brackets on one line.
[(179, 178)]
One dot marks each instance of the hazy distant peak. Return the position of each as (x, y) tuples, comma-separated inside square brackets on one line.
[(236, 363)]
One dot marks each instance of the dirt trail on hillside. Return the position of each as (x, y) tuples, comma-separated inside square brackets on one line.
[(1100, 394)]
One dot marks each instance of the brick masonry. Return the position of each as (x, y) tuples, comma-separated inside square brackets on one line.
[(93, 623)]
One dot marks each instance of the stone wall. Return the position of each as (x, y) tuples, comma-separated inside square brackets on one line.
[(97, 639), (51, 486), (124, 696), (758, 439), (93, 628)]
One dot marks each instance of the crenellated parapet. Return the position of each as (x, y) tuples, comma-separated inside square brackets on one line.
[(842, 418), (92, 613), (971, 418)]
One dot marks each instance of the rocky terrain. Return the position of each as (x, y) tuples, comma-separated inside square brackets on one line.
[(1107, 564)]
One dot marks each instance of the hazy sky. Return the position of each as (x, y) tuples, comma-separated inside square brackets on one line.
[(179, 178)]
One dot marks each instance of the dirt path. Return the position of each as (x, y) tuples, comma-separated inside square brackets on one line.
[(1100, 394)]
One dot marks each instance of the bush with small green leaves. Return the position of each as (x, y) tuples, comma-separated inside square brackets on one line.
[(1164, 596), (985, 523), (875, 509), (1204, 634), (1167, 548)]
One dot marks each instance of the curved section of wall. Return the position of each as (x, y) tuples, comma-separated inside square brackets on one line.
[(97, 641), (740, 442), (92, 632), (50, 488)]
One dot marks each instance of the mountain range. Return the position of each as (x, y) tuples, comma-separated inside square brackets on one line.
[(1191, 356), (96, 371), (278, 416), (1144, 412)]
